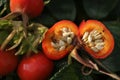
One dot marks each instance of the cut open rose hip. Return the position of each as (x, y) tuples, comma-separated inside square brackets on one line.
[(58, 39), (96, 39)]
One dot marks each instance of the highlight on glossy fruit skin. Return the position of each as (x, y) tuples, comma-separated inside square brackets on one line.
[(58, 40), (8, 62), (35, 67), (32, 8), (96, 39)]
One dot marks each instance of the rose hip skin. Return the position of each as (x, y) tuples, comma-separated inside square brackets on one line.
[(8, 62), (35, 67), (32, 8)]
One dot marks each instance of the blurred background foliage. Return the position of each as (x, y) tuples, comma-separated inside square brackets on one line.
[(107, 11), (75, 10)]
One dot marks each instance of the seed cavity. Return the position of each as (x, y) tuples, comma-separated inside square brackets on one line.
[(62, 48), (85, 35), (61, 43), (99, 46), (69, 40), (65, 40), (94, 40), (94, 49), (89, 38)]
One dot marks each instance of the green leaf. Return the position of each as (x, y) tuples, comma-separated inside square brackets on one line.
[(99, 8), (70, 72), (112, 62), (66, 73), (57, 10), (115, 13), (62, 10)]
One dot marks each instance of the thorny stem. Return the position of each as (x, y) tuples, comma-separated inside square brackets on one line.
[(92, 65), (7, 40)]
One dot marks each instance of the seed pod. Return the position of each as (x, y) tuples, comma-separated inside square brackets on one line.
[(99, 43), (64, 31)]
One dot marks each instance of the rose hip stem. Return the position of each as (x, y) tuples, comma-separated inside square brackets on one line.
[(79, 59), (90, 64), (11, 15)]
